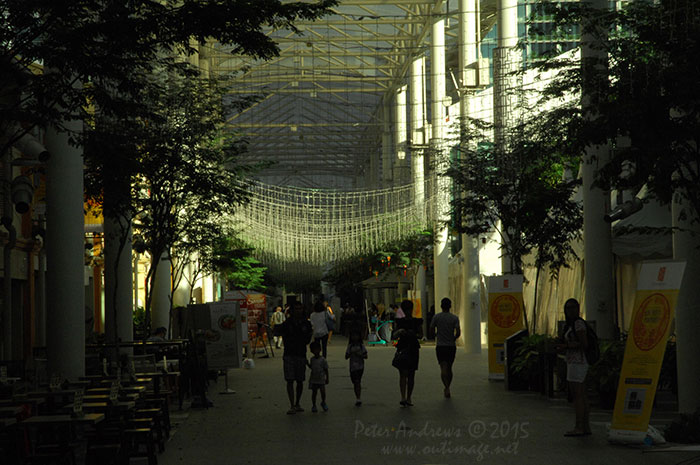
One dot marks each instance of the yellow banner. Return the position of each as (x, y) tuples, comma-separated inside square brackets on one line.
[(505, 318), (654, 306)]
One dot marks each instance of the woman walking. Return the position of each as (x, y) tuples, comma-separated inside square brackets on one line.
[(407, 353), (320, 328)]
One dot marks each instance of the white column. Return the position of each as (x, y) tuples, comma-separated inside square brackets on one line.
[(439, 151), (65, 255), (400, 137), (386, 143), (470, 299), (418, 141), (160, 304), (40, 319), (504, 62), (686, 246), (119, 321), (599, 295)]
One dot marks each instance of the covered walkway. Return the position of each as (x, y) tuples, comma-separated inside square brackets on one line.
[(481, 423)]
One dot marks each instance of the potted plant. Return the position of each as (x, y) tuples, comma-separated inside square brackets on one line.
[(529, 360), (603, 376)]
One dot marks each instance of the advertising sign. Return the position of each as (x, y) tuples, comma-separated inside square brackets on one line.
[(253, 306), (654, 307), (223, 341), (505, 318)]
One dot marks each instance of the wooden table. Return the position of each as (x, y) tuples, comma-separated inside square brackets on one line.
[(63, 430), (6, 422), (51, 420), (10, 411), (104, 407), (157, 375)]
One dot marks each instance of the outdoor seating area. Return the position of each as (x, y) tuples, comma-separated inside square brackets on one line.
[(115, 414)]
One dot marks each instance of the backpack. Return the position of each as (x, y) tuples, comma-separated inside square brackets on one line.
[(592, 353)]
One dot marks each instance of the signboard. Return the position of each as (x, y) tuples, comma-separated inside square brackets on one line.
[(506, 317), (223, 340), (253, 308), (654, 307)]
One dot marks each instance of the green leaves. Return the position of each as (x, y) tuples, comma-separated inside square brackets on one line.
[(520, 190)]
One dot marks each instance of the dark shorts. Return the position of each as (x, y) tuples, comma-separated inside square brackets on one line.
[(445, 353), (294, 367), (356, 376)]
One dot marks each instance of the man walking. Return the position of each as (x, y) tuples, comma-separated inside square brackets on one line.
[(446, 326), (296, 335)]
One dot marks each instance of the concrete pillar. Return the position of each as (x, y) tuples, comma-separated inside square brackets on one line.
[(374, 297), (505, 60), (400, 167), (439, 151), (469, 306), (160, 303), (40, 320), (386, 144), (418, 139), (119, 320), (418, 142), (599, 295), (65, 255), (8, 215), (686, 246)]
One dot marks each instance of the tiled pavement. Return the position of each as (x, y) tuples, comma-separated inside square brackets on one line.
[(481, 423)]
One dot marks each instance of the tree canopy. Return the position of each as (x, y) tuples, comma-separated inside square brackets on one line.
[(518, 190), (648, 102), (50, 50)]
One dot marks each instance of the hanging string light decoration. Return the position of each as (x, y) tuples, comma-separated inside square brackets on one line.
[(292, 227)]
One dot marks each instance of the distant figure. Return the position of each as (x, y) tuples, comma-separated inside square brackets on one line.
[(407, 353), (399, 312), (356, 353), (447, 331), (574, 346), (296, 334), (158, 335), (320, 327), (318, 377), (332, 317), (277, 320)]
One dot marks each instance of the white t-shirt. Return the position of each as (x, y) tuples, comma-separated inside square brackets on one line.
[(318, 322), (445, 323)]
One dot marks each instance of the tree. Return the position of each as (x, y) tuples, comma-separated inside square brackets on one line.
[(62, 60), (520, 191), (233, 258), (188, 179), (85, 41), (406, 254), (648, 99)]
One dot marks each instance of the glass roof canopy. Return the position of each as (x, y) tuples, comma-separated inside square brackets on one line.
[(319, 117)]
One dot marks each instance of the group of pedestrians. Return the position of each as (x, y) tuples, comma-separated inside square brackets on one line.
[(297, 332)]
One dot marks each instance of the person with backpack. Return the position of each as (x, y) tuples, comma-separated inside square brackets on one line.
[(575, 346)]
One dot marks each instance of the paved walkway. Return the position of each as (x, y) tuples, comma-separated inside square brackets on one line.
[(481, 423)]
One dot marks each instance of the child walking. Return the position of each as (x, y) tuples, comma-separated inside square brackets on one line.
[(319, 376), (357, 353)]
